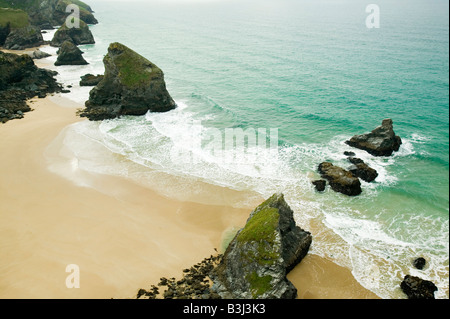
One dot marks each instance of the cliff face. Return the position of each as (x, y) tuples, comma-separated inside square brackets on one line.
[(132, 85), (50, 12), (257, 260)]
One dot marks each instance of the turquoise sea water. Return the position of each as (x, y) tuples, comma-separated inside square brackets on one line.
[(315, 72)]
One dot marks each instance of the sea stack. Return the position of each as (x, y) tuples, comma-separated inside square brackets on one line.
[(132, 85), (70, 54), (257, 260), (382, 141), (78, 36)]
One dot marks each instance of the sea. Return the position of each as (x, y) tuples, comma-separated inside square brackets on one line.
[(297, 78)]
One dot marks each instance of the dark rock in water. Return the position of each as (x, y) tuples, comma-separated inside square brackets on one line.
[(132, 85), (347, 153), (340, 179), (23, 38), (90, 80), (320, 185), (78, 36), (382, 141), (257, 260), (362, 170), (21, 79), (70, 54), (419, 263), (417, 288)]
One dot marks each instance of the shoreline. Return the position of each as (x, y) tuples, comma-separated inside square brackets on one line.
[(137, 237)]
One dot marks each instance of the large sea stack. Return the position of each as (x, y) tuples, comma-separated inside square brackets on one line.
[(382, 141), (78, 35), (132, 85), (70, 54), (257, 260)]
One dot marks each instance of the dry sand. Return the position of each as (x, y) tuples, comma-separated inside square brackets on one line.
[(122, 239)]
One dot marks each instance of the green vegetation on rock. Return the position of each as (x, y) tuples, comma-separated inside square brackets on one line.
[(258, 285), (15, 18), (131, 72)]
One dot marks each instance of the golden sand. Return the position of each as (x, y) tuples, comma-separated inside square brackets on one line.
[(122, 239)]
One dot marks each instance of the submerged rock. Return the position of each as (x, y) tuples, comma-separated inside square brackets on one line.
[(417, 288), (362, 170), (257, 260), (340, 179), (382, 141), (132, 85), (78, 36)]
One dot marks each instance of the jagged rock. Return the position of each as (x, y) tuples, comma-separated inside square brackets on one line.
[(419, 263), (382, 141), (417, 288), (70, 54), (90, 80), (78, 36), (340, 179), (320, 185), (21, 79), (257, 260), (23, 38), (132, 85), (362, 170), (38, 54), (348, 153)]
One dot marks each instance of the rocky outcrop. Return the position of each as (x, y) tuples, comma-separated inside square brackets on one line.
[(20, 80), (256, 262), (38, 54), (419, 263), (340, 179), (382, 141), (90, 80), (78, 36), (51, 12), (23, 38), (70, 54), (320, 185), (417, 288), (132, 85), (362, 170)]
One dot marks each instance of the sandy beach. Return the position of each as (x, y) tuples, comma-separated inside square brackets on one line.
[(121, 235)]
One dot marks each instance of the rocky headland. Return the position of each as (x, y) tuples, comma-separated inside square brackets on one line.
[(48, 13), (16, 30), (20, 80), (132, 85)]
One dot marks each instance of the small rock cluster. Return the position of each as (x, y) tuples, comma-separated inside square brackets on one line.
[(195, 283), (415, 287), (382, 141)]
